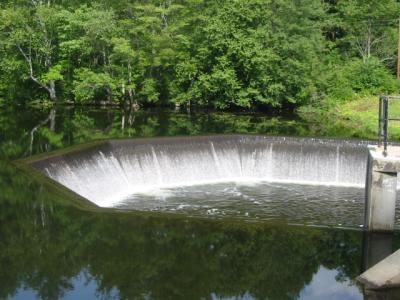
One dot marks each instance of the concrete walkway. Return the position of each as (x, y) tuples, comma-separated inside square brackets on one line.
[(384, 275)]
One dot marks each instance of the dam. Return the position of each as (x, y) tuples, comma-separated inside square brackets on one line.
[(110, 171), (264, 177)]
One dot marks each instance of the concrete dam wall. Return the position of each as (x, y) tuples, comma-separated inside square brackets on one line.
[(108, 172)]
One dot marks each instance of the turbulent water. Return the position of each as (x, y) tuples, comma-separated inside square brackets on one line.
[(296, 204), (110, 172)]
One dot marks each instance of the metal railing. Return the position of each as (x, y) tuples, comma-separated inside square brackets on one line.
[(384, 119)]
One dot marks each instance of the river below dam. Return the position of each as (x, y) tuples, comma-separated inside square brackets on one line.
[(310, 181), (166, 226)]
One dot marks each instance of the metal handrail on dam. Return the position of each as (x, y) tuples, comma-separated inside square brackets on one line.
[(383, 131)]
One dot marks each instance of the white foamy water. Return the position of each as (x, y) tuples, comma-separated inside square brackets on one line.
[(112, 172)]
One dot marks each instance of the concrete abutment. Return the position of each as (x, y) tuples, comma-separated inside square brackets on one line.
[(381, 188)]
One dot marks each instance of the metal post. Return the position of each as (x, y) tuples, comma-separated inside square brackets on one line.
[(398, 52), (385, 124), (380, 127)]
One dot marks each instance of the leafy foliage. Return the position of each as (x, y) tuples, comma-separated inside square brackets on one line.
[(357, 77), (222, 54)]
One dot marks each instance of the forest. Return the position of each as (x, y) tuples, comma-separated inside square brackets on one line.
[(220, 54)]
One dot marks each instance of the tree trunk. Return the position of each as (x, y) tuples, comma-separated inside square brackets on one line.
[(52, 118), (132, 102), (109, 95), (123, 120), (52, 91)]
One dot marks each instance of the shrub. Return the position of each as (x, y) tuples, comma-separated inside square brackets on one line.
[(359, 77)]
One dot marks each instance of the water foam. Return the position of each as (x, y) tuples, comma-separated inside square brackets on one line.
[(108, 174)]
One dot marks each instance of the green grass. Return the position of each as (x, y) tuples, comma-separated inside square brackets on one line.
[(356, 118)]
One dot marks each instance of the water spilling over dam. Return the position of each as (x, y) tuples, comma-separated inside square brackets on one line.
[(109, 172)]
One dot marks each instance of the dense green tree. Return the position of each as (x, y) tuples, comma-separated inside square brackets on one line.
[(31, 33), (370, 28), (253, 52), (222, 54)]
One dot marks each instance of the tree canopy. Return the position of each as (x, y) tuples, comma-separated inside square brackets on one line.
[(221, 54)]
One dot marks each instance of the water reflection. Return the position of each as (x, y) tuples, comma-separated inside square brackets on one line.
[(24, 131), (47, 245), (376, 247), (326, 286), (323, 286), (393, 294)]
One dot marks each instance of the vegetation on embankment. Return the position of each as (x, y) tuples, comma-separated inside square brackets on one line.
[(357, 117), (244, 54)]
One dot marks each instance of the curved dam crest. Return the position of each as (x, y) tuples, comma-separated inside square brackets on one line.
[(109, 172)]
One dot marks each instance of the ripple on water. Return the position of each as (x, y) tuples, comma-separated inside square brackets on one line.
[(293, 203)]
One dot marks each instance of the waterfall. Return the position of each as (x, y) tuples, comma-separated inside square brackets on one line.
[(109, 172), (215, 159), (337, 164), (157, 165)]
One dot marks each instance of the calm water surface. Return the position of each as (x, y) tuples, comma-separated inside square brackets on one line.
[(51, 248)]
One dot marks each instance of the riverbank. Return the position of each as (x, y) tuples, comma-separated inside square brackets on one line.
[(356, 118)]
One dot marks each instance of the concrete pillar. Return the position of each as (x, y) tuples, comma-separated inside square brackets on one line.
[(383, 275), (376, 247), (380, 191)]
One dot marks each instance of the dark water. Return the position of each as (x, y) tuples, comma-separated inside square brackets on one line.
[(52, 247), (297, 204)]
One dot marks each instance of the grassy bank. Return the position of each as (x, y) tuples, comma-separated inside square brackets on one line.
[(357, 118)]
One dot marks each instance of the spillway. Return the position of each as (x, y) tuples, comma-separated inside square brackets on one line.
[(108, 172)]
